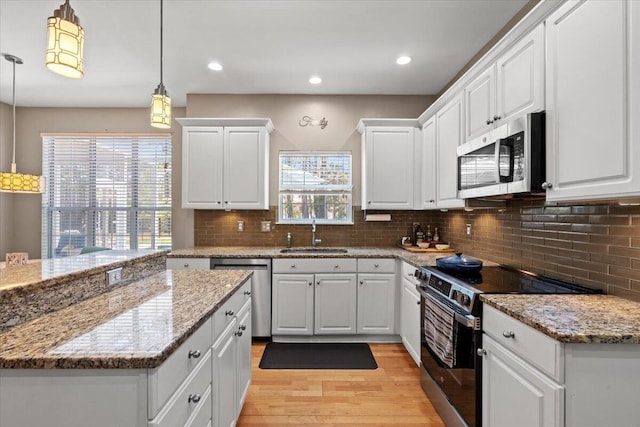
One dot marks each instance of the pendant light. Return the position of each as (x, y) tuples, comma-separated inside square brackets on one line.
[(66, 43), (160, 101), (14, 182)]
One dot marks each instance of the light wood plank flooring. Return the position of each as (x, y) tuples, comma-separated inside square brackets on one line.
[(389, 395)]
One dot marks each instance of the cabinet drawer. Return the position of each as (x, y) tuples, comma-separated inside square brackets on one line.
[(376, 265), (225, 314), (535, 347), (190, 398), (202, 414), (408, 272), (188, 264), (165, 379), (314, 265)]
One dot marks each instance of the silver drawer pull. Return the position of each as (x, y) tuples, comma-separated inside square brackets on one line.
[(229, 312), (336, 266), (238, 333), (194, 354), (194, 398), (376, 265), (243, 327), (293, 266), (186, 265), (508, 334), (247, 292)]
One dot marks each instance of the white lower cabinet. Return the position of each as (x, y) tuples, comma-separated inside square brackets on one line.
[(410, 313), (324, 297), (530, 379), (203, 383)]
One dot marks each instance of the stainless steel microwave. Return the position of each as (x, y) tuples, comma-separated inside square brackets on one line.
[(507, 160)]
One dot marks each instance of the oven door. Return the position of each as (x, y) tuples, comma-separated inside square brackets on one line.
[(458, 381), (485, 167)]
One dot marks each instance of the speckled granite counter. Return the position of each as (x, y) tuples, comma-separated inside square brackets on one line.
[(135, 326), (41, 287), (417, 259), (594, 319)]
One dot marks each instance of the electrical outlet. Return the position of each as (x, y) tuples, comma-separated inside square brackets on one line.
[(240, 225), (114, 276), (265, 226), (468, 230)]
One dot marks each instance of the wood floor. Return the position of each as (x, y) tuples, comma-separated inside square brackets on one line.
[(389, 395)]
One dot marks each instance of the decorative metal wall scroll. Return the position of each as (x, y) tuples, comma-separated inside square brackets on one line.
[(308, 121)]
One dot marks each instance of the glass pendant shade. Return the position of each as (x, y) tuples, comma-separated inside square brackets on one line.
[(13, 181), (161, 108), (66, 43)]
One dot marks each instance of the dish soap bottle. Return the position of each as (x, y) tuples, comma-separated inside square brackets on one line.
[(289, 240), (429, 237), (436, 236)]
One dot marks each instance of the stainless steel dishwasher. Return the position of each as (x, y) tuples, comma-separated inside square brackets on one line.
[(260, 289)]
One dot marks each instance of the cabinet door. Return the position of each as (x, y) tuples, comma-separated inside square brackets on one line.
[(335, 304), (516, 394), (224, 377), (410, 319), (245, 168), (376, 303), (388, 173), (428, 164), (590, 85), (480, 102), (244, 355), (448, 136), (202, 167), (520, 74), (292, 308)]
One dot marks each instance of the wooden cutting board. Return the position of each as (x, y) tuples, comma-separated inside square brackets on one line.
[(416, 249)]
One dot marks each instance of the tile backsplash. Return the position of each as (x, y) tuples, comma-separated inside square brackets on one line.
[(595, 245)]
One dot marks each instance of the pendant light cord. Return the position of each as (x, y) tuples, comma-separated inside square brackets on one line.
[(161, 20), (13, 160)]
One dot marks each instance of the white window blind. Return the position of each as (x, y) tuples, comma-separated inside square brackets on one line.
[(315, 184), (106, 191)]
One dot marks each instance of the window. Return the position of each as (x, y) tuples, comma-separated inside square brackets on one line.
[(106, 191), (315, 184)]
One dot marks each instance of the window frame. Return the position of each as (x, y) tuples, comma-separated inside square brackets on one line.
[(93, 208), (345, 189)]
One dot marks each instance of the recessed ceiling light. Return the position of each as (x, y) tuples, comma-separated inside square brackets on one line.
[(215, 66), (403, 60), (315, 80)]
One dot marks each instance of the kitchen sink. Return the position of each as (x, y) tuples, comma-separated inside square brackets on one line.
[(313, 251)]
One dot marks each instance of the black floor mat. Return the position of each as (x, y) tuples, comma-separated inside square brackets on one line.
[(317, 356)]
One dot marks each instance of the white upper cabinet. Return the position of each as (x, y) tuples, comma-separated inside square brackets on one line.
[(428, 166), (449, 126), (510, 87), (388, 169), (225, 163), (593, 93)]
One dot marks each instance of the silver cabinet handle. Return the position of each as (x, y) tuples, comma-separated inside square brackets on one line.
[(481, 352), (508, 334), (293, 266), (218, 202), (362, 282), (229, 312), (376, 265), (186, 265), (336, 266), (194, 398), (418, 302), (489, 122), (247, 292), (318, 283), (496, 118), (546, 185), (310, 283), (243, 327), (194, 354), (238, 333)]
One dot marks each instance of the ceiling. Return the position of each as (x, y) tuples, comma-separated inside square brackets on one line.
[(265, 46)]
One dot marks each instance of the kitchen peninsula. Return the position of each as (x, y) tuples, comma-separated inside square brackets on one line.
[(141, 354)]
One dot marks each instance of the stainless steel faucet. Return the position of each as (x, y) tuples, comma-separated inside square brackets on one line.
[(314, 241)]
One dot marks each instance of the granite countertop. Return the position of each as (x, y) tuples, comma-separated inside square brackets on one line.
[(135, 326), (415, 258), (597, 319), (54, 270)]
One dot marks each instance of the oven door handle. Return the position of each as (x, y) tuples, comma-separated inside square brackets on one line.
[(466, 320)]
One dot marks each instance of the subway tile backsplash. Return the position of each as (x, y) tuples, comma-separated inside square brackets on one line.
[(595, 245)]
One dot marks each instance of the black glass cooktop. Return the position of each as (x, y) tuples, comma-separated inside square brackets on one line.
[(505, 280)]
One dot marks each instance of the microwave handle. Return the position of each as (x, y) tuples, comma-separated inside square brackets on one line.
[(505, 142)]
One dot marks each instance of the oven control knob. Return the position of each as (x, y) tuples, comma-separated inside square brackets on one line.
[(416, 274), (461, 298)]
